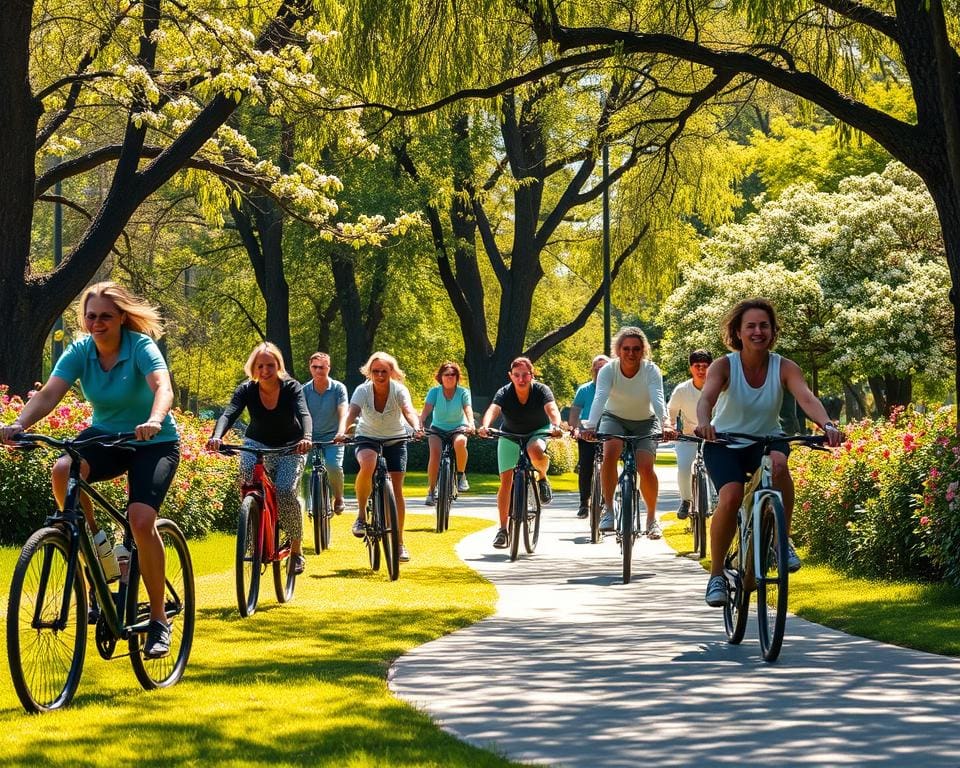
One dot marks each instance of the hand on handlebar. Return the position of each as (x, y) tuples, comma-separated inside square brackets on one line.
[(669, 433), (706, 431), (213, 444), (304, 445), (7, 432)]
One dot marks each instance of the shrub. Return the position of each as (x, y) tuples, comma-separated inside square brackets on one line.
[(203, 495), (857, 508), (937, 506)]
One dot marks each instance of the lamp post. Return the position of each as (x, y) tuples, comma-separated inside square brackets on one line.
[(606, 251)]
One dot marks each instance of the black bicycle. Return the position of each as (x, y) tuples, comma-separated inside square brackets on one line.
[(525, 505), (446, 489), (627, 506), (319, 508), (382, 523), (704, 498), (758, 555), (47, 609)]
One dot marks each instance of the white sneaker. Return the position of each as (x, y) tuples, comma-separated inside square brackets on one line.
[(462, 484), (607, 522), (654, 531), (431, 500)]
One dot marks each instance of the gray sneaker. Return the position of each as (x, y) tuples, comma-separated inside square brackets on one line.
[(654, 531), (717, 593), (462, 484), (793, 559), (431, 499), (684, 512), (607, 523)]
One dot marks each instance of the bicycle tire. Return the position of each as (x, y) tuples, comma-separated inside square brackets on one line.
[(596, 507), (627, 512), (531, 520), (736, 611), (326, 513), (773, 579), (316, 513), (444, 494), (389, 524), (518, 505), (248, 557), (698, 511), (46, 663), (284, 576), (179, 603)]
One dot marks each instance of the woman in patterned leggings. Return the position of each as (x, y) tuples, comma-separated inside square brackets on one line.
[(278, 416)]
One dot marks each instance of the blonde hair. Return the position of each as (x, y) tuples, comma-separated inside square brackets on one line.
[(266, 348), (395, 372), (631, 332), (140, 316)]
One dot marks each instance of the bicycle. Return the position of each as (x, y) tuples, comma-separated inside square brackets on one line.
[(626, 506), (382, 523), (704, 498), (258, 534), (446, 490), (319, 508), (758, 556), (525, 504), (47, 610)]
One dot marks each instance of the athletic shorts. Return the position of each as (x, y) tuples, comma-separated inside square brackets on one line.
[(394, 453), (735, 465), (615, 425), (508, 452)]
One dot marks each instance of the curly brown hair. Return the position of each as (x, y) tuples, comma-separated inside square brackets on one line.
[(734, 319)]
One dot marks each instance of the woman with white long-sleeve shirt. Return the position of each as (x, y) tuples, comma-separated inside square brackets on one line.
[(629, 401)]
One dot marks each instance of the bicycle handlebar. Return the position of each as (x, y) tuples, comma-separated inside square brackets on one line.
[(31, 440), (228, 449), (811, 441), (601, 436), (461, 430)]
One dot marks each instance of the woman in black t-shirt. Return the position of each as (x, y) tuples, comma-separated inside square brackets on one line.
[(526, 406), (278, 416)]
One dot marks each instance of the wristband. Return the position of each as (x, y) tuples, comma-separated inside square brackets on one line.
[(829, 425)]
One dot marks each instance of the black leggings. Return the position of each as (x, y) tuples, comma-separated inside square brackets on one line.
[(587, 450)]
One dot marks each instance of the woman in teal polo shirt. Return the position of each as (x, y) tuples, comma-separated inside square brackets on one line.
[(449, 405), (124, 377)]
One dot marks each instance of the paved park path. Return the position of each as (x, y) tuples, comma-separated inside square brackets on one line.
[(578, 669)]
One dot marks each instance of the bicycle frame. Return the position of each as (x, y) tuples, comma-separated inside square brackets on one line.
[(262, 487)]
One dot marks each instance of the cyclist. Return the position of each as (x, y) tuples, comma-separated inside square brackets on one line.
[(586, 449), (449, 404), (629, 401), (747, 387), (384, 409), (124, 377), (683, 406), (526, 406), (327, 402), (278, 416)]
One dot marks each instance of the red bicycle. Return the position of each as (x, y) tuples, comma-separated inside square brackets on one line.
[(258, 534)]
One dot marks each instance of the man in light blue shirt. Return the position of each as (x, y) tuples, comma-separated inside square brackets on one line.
[(327, 400), (582, 401)]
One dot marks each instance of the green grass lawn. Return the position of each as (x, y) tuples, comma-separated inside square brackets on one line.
[(301, 684), (910, 614)]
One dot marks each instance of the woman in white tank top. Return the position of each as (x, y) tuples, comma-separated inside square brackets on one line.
[(746, 386)]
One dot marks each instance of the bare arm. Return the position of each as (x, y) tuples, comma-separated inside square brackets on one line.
[(492, 414), (553, 413), (159, 382), (792, 378), (718, 374), (37, 407), (425, 413)]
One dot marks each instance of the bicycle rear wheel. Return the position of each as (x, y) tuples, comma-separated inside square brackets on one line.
[(248, 558), (179, 600), (627, 500), (518, 508), (387, 521), (737, 609), (326, 512), (284, 576), (596, 506), (444, 494), (315, 512), (698, 512), (45, 655), (531, 520), (773, 579)]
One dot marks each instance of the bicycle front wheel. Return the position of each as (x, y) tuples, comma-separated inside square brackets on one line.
[(444, 494), (284, 576), (46, 627), (627, 501), (596, 506), (388, 523), (179, 602), (315, 512), (772, 580), (326, 512), (531, 520), (518, 507), (698, 512), (248, 556)]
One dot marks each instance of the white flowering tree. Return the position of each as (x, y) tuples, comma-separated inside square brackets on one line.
[(858, 275)]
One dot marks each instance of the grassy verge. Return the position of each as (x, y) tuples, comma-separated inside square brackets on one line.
[(905, 613), (296, 684)]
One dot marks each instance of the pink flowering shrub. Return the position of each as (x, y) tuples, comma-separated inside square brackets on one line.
[(202, 497), (937, 507), (864, 506)]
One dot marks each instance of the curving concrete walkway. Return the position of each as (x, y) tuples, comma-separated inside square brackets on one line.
[(578, 669)]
